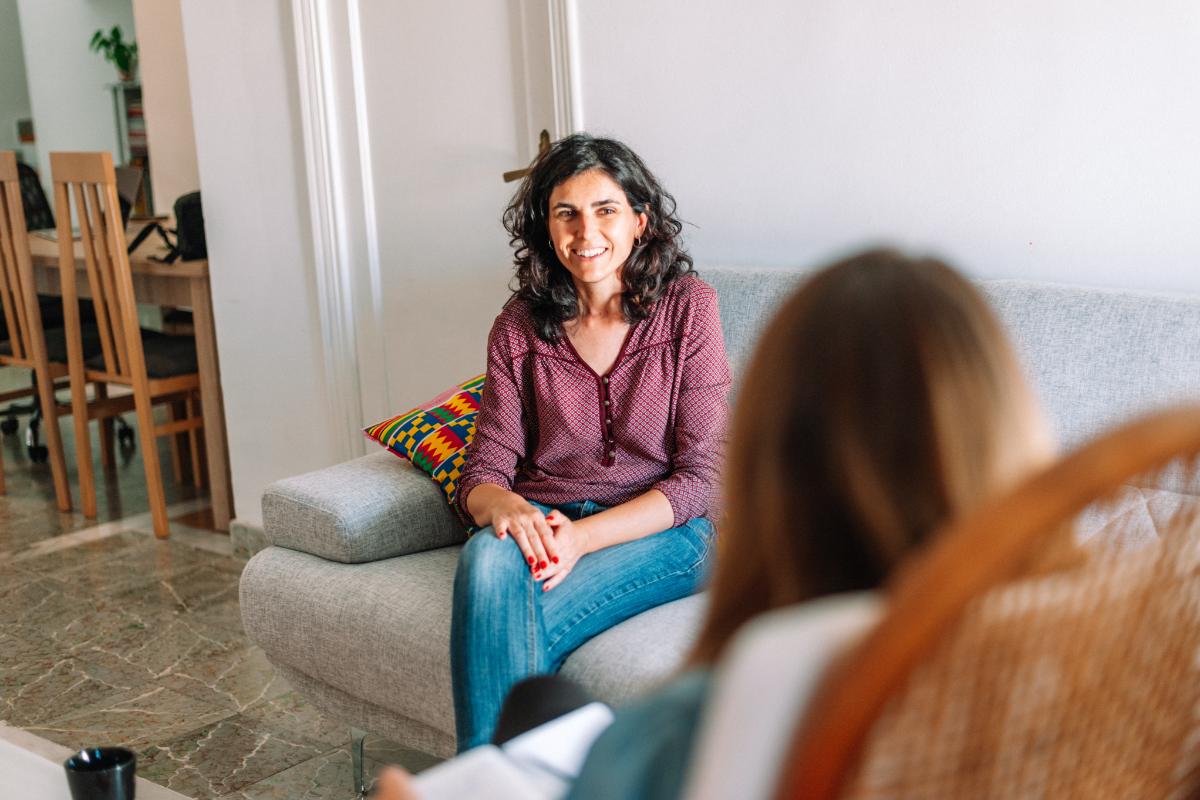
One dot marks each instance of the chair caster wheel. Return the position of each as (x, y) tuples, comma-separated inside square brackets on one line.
[(39, 453), (8, 426)]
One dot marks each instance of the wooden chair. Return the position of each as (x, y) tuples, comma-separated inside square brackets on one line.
[(26, 344), (87, 181), (1013, 663)]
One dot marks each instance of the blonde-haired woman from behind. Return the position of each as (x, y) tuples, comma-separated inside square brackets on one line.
[(882, 400)]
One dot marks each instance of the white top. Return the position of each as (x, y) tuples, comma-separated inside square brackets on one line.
[(761, 688)]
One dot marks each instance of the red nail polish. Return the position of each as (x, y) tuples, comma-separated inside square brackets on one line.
[(530, 560), (554, 559), (541, 565)]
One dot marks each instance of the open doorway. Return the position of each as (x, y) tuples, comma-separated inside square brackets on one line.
[(68, 81), (71, 92), (16, 114), (95, 76)]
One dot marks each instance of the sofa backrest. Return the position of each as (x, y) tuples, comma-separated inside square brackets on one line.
[(1096, 357), (748, 298), (1100, 356)]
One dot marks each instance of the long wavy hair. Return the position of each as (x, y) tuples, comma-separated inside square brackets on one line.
[(882, 400), (542, 281)]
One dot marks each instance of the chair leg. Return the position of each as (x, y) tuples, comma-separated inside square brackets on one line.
[(357, 771), (149, 444), (175, 412), (83, 449), (54, 443), (107, 458), (194, 439)]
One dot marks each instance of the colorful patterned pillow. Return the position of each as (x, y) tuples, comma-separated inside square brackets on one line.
[(434, 436)]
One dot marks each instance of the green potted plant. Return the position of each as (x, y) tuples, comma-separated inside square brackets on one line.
[(120, 53)]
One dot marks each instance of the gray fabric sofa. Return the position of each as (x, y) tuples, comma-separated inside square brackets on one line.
[(351, 601)]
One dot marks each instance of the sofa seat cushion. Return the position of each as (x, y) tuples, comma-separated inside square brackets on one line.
[(640, 654), (381, 631)]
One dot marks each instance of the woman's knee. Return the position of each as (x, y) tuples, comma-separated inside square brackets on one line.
[(486, 562)]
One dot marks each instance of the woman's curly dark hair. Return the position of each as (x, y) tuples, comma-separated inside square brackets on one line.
[(541, 279)]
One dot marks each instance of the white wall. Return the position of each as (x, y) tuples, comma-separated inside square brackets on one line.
[(14, 94), (72, 109), (252, 173), (166, 101), (1055, 140), (447, 118)]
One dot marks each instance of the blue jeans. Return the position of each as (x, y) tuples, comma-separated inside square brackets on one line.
[(505, 628)]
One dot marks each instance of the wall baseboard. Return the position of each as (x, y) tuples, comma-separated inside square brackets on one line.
[(247, 539)]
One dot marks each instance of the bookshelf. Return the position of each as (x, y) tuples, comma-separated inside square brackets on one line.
[(132, 149)]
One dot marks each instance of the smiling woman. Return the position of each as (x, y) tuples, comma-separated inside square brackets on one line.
[(596, 450)]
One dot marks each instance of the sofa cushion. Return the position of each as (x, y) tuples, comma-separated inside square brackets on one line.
[(747, 299), (434, 435), (381, 632), (1098, 357), (641, 653), (373, 507)]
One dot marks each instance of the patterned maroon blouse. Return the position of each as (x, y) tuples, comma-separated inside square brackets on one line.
[(552, 430)]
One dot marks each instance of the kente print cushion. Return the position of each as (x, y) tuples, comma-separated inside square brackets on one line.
[(434, 436)]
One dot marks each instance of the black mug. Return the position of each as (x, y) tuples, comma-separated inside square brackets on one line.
[(101, 773)]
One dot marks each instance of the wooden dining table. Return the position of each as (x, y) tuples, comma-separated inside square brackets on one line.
[(181, 284)]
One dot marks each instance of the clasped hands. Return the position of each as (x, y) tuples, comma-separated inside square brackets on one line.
[(551, 543)]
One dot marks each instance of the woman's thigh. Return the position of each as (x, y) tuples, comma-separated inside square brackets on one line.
[(494, 590), (619, 582)]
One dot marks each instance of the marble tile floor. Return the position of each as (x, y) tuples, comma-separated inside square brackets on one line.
[(108, 635)]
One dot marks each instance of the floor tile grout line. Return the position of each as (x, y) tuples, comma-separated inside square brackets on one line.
[(323, 756)]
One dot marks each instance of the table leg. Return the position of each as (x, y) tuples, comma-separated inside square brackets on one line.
[(212, 404)]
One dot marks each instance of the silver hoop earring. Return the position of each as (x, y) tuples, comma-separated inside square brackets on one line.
[(637, 242)]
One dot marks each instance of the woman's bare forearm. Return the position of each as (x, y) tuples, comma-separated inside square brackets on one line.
[(643, 515)]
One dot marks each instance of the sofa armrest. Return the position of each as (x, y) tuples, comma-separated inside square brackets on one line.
[(374, 507)]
